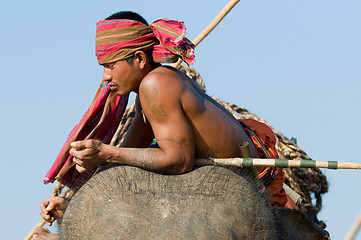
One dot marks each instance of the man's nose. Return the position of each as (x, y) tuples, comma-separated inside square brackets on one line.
[(106, 76)]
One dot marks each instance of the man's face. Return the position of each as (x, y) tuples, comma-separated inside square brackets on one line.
[(122, 77)]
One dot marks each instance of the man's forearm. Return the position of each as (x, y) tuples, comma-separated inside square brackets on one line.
[(152, 159)]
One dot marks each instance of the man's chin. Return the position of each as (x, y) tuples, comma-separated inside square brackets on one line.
[(119, 92)]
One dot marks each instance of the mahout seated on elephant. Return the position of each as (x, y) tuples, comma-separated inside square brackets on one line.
[(170, 107)]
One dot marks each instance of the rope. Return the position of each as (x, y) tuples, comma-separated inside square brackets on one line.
[(307, 182)]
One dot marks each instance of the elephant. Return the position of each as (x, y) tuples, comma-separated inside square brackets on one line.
[(210, 202)]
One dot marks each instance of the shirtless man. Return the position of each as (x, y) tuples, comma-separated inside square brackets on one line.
[(170, 108), (184, 123)]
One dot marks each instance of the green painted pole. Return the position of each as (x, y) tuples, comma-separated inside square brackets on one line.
[(283, 163)]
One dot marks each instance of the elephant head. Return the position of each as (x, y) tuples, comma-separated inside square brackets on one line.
[(125, 202)]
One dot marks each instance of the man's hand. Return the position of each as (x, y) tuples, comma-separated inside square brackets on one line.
[(53, 208), (44, 234), (88, 154)]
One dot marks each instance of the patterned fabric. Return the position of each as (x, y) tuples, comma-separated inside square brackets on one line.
[(119, 39), (101, 120), (265, 142)]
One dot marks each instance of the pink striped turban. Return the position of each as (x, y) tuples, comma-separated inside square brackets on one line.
[(119, 39)]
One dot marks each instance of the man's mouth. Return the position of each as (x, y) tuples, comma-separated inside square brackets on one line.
[(112, 86)]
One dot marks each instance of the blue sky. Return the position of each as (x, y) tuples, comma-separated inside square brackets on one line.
[(296, 64)]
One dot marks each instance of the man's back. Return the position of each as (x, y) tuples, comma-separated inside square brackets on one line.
[(215, 133)]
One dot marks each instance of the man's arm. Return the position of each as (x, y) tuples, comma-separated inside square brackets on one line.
[(161, 103)]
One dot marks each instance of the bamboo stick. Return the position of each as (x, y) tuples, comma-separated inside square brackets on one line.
[(56, 192), (211, 26), (283, 163), (354, 229), (90, 135), (31, 234), (58, 187), (215, 21)]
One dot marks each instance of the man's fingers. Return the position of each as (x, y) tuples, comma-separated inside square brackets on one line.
[(50, 206), (44, 215), (50, 221), (77, 161), (79, 165), (78, 145), (80, 168), (43, 207), (83, 153), (76, 153), (81, 145)]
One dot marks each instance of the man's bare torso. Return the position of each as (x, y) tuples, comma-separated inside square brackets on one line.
[(215, 133)]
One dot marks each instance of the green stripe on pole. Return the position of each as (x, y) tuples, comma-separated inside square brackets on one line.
[(332, 165), (247, 162), (308, 163), (283, 163)]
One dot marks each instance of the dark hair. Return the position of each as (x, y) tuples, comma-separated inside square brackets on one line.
[(136, 17), (128, 15)]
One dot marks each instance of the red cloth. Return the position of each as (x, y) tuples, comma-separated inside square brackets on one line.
[(104, 114), (118, 39), (173, 43)]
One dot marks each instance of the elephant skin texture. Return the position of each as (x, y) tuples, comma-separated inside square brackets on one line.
[(125, 202)]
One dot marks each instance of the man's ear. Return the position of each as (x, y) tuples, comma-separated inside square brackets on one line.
[(141, 59)]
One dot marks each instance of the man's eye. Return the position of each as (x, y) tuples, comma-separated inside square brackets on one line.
[(109, 66)]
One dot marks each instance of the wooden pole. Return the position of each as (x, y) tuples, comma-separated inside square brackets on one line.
[(283, 163), (211, 26), (354, 229), (215, 21), (56, 192), (31, 234), (58, 187)]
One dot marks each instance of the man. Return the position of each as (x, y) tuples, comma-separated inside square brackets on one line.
[(170, 108)]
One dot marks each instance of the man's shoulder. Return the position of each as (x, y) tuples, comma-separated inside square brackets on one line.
[(162, 78), (160, 92), (164, 73)]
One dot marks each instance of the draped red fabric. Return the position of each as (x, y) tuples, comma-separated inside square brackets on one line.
[(101, 120)]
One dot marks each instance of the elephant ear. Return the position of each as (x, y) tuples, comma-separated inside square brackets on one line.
[(296, 226)]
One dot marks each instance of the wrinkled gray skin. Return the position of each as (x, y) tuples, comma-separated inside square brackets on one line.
[(296, 225), (125, 202)]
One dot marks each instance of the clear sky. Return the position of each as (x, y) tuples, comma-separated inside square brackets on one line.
[(296, 64)]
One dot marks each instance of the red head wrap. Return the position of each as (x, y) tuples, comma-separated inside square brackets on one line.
[(119, 39)]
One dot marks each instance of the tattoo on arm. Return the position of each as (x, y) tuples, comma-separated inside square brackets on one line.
[(169, 140), (152, 101), (153, 159), (140, 157), (147, 159)]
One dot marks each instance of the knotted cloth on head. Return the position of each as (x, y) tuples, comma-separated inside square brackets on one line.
[(119, 39)]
